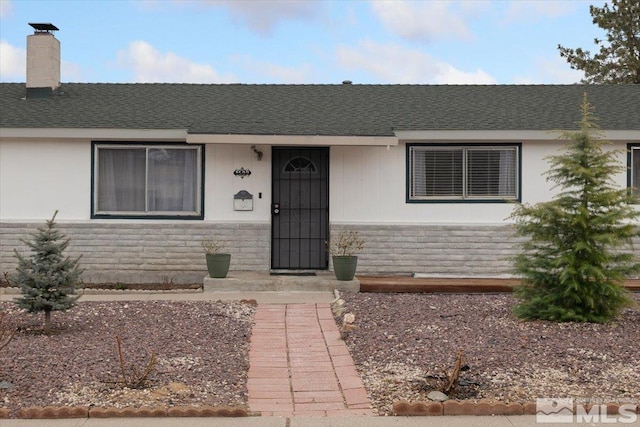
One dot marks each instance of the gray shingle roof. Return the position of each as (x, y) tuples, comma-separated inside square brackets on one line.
[(319, 109)]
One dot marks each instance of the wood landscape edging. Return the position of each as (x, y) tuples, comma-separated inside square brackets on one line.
[(481, 407), (409, 284), (477, 407), (53, 412)]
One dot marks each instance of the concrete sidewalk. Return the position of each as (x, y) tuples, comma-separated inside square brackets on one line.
[(452, 421), (269, 297)]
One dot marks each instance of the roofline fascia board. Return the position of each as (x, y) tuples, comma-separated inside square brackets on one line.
[(503, 135), (301, 140), (93, 134)]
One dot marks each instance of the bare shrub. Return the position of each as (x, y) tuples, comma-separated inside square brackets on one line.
[(132, 376), (6, 333), (451, 379)]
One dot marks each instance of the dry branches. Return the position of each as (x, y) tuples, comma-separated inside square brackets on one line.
[(132, 377), (6, 334), (451, 380)]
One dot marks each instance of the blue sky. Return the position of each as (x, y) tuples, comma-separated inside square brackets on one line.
[(378, 42)]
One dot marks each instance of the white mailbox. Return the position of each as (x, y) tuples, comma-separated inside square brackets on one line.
[(243, 201)]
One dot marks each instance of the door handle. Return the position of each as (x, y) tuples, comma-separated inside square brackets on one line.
[(276, 208)]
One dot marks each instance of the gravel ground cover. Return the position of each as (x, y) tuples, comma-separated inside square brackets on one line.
[(402, 343), (202, 355)]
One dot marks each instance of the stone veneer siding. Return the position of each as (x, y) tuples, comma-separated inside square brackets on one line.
[(454, 250), (146, 252), (437, 250), (153, 252)]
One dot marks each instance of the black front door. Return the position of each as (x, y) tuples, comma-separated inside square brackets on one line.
[(300, 208)]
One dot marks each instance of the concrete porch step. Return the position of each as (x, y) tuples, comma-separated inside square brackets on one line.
[(241, 281)]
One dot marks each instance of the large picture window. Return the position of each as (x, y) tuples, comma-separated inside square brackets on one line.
[(147, 180), (463, 172), (634, 171)]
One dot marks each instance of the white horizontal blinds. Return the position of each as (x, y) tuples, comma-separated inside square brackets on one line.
[(491, 172), (172, 179), (463, 172), (437, 172), (635, 172), (121, 180)]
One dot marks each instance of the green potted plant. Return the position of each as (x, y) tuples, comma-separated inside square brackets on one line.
[(217, 262), (343, 250)]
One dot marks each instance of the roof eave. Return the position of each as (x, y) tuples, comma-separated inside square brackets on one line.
[(293, 140), (445, 135), (93, 134)]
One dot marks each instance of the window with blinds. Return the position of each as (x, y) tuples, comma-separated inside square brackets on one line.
[(634, 171), (463, 172)]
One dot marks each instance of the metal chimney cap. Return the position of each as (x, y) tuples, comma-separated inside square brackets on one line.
[(43, 28)]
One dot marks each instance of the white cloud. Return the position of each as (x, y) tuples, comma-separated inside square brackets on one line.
[(151, 5), (70, 72), (532, 10), (398, 64), (13, 63), (425, 20), (262, 16), (550, 71), (152, 66), (6, 9), (275, 73)]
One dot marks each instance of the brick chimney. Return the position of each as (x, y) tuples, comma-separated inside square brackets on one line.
[(43, 61)]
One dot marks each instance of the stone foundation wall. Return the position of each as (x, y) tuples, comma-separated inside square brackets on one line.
[(455, 250), (435, 250), (154, 252), (146, 252)]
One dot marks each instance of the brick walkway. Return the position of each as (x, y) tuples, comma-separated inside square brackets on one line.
[(300, 366)]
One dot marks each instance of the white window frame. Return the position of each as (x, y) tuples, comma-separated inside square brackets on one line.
[(198, 213), (464, 149)]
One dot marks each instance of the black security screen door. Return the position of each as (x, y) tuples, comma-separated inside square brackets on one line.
[(300, 208)]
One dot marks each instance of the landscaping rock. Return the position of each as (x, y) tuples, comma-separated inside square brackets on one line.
[(404, 342), (201, 348), (437, 396)]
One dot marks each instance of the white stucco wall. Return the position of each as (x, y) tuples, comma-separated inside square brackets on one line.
[(36, 178), (536, 188), (367, 193), (367, 184), (221, 184)]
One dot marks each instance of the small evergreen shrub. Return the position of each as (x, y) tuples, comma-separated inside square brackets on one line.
[(47, 278), (577, 256)]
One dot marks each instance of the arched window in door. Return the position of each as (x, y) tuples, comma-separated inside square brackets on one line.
[(300, 164)]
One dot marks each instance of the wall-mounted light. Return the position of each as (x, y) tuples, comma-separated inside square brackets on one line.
[(242, 172), (257, 152)]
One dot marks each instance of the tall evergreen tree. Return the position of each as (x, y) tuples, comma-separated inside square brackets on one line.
[(576, 258), (618, 60), (47, 278)]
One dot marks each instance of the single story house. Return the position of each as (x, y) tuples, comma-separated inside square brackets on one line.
[(427, 174)]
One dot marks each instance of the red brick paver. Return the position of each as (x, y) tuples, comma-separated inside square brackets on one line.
[(299, 365)]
